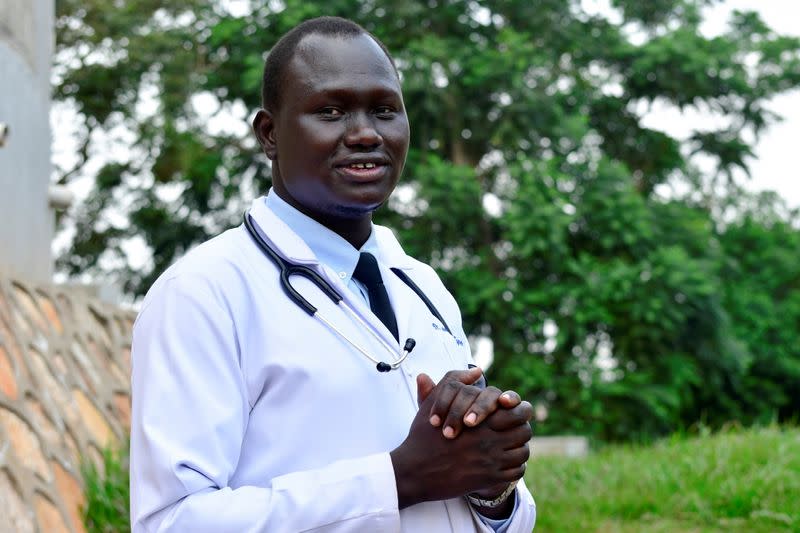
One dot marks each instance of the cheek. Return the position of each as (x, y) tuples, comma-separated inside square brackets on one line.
[(318, 137), (398, 137)]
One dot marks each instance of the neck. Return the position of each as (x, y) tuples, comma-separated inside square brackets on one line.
[(355, 228), (356, 231)]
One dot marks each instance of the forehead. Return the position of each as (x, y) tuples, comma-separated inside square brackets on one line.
[(323, 63)]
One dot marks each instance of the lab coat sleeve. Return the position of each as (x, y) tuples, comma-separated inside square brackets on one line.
[(190, 413)]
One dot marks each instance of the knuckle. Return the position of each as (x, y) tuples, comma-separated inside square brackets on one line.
[(471, 391), (440, 406), (482, 405), (526, 454), (456, 412), (454, 385), (528, 432), (453, 375), (482, 410), (513, 474)]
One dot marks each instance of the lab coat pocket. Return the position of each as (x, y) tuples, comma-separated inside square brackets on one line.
[(446, 353)]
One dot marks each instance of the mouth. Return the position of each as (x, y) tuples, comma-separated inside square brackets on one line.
[(363, 171)]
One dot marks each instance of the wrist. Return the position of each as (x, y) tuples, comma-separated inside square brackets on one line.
[(407, 493), (494, 500), (491, 493), (502, 512)]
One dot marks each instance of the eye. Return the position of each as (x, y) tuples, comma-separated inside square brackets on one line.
[(330, 113), (385, 111)]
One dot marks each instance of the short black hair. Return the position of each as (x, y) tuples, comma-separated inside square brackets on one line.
[(284, 50)]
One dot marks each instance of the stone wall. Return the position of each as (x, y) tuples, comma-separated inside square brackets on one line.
[(64, 396)]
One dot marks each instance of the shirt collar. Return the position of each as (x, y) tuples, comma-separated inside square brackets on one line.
[(328, 247), (302, 240)]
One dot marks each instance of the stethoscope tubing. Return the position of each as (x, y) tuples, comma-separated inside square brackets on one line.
[(287, 270)]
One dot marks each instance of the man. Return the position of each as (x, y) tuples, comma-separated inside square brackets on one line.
[(251, 415)]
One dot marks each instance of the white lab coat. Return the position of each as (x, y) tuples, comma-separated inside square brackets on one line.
[(250, 416)]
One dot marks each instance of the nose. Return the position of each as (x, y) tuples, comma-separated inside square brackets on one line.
[(361, 131)]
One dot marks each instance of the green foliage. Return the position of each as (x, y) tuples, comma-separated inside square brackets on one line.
[(623, 313), (107, 494), (762, 295), (732, 481)]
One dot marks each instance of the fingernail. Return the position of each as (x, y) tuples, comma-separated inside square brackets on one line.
[(505, 396), (449, 432), (435, 421), (471, 418)]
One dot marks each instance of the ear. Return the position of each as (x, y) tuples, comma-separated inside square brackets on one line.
[(264, 128)]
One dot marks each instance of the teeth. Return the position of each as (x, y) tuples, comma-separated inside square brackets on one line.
[(362, 165)]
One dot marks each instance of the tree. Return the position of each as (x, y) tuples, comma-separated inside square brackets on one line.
[(531, 184), (762, 295)]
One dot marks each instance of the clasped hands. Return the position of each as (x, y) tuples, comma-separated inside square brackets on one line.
[(463, 440)]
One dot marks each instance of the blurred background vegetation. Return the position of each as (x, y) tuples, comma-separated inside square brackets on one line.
[(627, 292)]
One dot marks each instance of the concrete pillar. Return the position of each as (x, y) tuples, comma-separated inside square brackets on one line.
[(26, 218)]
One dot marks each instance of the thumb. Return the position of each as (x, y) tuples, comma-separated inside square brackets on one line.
[(424, 387), (467, 377), (471, 376), (509, 400)]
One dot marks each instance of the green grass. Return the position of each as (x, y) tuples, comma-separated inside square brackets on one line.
[(738, 480), (107, 494)]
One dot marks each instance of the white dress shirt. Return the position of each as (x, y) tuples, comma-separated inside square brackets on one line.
[(249, 415)]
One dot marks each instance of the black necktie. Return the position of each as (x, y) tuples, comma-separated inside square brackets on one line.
[(368, 274)]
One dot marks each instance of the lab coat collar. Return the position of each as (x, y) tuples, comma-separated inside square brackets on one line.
[(280, 236), (391, 252), (328, 247), (294, 249)]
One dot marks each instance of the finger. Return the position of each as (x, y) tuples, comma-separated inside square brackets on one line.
[(505, 419), (510, 399), (481, 381), (511, 439), (485, 404), (467, 377), (516, 456), (516, 437), (466, 396), (447, 389), (446, 392), (424, 387), (513, 474)]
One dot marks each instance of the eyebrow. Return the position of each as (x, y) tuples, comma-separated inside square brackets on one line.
[(380, 92), (334, 90)]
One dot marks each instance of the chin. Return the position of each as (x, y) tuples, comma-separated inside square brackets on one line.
[(354, 211)]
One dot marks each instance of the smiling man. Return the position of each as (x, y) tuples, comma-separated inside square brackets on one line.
[(341, 398)]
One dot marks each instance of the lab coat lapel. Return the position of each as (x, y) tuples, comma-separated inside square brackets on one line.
[(401, 301), (401, 297)]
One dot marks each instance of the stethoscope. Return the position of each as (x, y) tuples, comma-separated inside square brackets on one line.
[(288, 269)]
